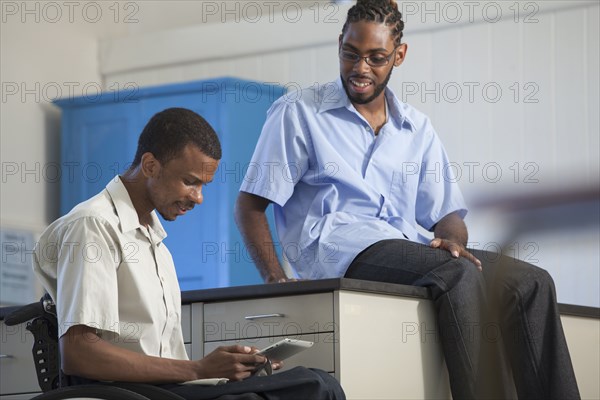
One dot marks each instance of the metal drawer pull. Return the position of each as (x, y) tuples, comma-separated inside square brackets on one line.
[(6, 356), (261, 316)]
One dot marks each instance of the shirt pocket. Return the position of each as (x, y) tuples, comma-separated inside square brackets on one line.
[(403, 190)]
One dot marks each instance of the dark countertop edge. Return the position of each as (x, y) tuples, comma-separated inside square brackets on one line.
[(579, 311), (299, 288), (233, 293)]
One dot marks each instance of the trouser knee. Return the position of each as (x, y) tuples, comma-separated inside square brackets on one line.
[(532, 283), (329, 387), (459, 276)]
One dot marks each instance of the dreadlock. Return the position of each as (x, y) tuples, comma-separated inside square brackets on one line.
[(380, 11)]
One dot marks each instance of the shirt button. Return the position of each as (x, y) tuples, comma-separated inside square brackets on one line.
[(162, 278), (367, 128)]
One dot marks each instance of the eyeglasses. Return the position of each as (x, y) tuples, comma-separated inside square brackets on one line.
[(376, 60)]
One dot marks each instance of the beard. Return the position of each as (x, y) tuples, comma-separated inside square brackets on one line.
[(365, 100), (165, 216)]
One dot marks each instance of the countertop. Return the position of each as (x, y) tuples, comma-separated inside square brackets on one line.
[(319, 286)]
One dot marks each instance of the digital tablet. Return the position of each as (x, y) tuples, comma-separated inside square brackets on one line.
[(284, 349)]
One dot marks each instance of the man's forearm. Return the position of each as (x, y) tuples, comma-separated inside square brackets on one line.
[(85, 354), (252, 223)]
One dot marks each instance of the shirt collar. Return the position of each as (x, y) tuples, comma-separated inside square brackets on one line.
[(340, 99), (126, 211)]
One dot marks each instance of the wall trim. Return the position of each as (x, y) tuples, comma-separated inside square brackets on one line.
[(213, 41)]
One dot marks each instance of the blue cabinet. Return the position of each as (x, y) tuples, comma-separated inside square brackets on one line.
[(99, 140)]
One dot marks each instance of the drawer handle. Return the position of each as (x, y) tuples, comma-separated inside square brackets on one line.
[(262, 316), (6, 356)]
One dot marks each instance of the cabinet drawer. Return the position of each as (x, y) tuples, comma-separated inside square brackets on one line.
[(320, 355), (275, 316), (186, 323), (16, 366)]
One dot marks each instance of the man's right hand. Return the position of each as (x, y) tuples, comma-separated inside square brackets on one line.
[(233, 362)]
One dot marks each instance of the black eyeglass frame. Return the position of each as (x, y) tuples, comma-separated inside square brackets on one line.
[(366, 58)]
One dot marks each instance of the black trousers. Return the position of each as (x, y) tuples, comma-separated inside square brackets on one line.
[(505, 315), (295, 384)]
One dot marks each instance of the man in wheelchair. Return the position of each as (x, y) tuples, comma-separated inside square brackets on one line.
[(118, 302)]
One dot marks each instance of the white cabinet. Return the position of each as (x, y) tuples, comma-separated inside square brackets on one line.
[(378, 345), (388, 347)]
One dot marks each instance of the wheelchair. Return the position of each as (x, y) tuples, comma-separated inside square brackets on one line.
[(42, 323)]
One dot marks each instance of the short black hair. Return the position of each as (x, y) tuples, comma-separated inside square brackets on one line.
[(169, 131), (381, 11)]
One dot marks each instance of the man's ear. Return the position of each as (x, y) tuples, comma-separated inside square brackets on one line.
[(340, 42), (400, 54), (150, 165)]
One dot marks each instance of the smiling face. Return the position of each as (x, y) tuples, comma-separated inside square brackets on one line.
[(364, 83), (176, 187)]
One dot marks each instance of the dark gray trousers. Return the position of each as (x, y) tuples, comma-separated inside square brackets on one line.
[(505, 315), (295, 384)]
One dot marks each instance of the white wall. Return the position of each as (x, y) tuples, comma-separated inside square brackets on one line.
[(48, 50), (548, 52), (44, 54)]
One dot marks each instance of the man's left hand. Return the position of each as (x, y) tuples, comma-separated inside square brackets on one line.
[(455, 249)]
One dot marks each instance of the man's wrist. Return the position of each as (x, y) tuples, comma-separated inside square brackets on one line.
[(456, 240)]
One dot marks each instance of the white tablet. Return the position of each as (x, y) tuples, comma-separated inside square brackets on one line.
[(284, 349)]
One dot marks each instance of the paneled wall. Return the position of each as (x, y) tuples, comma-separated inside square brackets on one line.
[(512, 88)]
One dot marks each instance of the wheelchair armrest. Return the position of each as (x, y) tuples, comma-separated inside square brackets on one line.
[(41, 322), (24, 314)]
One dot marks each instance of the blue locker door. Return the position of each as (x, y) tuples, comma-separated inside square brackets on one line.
[(99, 142)]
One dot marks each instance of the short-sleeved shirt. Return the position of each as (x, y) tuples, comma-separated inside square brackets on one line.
[(337, 187), (107, 271)]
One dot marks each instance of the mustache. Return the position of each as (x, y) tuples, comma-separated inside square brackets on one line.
[(360, 77)]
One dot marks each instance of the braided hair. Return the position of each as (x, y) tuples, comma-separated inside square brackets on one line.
[(380, 11)]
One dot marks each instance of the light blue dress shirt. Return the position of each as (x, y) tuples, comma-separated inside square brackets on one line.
[(337, 188)]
